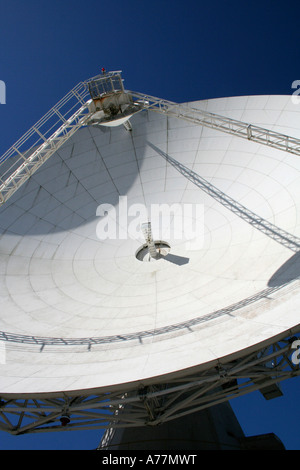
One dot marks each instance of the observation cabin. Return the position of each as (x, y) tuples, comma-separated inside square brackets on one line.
[(111, 105)]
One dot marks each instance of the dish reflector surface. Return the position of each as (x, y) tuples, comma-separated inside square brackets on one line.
[(81, 312)]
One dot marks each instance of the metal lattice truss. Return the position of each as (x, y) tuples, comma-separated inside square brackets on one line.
[(159, 402), (74, 111), (43, 139), (221, 123), (147, 232)]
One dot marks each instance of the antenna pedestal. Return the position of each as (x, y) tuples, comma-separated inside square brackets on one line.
[(215, 428)]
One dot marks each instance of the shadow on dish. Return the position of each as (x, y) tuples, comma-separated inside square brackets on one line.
[(288, 272)]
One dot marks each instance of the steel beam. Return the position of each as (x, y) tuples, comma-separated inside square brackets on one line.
[(241, 129)]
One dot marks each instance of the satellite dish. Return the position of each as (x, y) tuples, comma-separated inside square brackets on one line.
[(84, 311)]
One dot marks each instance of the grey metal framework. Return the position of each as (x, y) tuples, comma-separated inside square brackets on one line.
[(87, 343), (156, 402), (108, 83)]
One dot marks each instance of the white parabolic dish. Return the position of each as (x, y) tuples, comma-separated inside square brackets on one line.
[(84, 314)]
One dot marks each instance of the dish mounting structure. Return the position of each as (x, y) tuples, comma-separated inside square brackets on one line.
[(102, 100)]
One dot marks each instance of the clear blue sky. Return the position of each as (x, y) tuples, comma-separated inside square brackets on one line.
[(178, 50)]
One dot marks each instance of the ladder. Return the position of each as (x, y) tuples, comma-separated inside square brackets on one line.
[(42, 140), (147, 232)]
